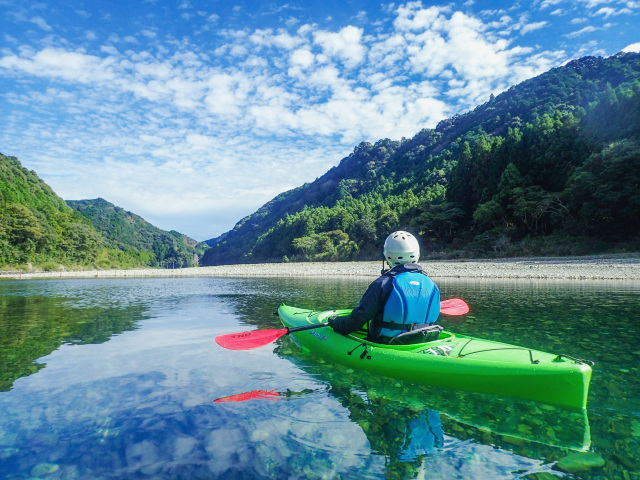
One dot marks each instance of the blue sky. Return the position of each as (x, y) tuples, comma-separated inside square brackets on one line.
[(194, 113)]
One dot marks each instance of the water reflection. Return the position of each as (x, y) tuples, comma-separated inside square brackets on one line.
[(402, 435), (141, 404), (34, 323)]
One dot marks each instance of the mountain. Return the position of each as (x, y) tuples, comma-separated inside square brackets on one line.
[(128, 232), (36, 225), (550, 166)]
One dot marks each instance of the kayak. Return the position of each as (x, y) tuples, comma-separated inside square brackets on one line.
[(453, 361)]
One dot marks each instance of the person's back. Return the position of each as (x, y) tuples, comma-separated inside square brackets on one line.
[(414, 300), (403, 299)]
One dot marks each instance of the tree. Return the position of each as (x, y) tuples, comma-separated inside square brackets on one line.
[(21, 225), (364, 229), (605, 191), (82, 243), (439, 221)]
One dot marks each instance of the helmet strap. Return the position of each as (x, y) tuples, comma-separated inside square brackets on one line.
[(384, 264)]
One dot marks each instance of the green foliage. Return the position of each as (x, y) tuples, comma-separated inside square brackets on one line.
[(45, 322), (38, 227), (137, 239), (323, 247), (604, 193), (552, 158)]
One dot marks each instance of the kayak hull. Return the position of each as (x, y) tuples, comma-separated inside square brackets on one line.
[(452, 361)]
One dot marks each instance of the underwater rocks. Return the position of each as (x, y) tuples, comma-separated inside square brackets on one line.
[(580, 462)]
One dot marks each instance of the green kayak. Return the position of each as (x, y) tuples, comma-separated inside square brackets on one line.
[(453, 361)]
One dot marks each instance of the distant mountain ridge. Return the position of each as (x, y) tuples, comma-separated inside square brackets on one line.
[(471, 184), (126, 231), (38, 227)]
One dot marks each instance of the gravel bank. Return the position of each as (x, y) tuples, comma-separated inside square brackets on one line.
[(582, 268)]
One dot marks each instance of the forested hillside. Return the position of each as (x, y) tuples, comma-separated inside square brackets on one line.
[(551, 166), (37, 227), (128, 232)]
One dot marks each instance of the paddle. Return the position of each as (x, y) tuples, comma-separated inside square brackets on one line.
[(241, 397), (259, 338), (261, 395), (454, 307)]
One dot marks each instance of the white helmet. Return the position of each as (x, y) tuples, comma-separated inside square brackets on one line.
[(401, 247)]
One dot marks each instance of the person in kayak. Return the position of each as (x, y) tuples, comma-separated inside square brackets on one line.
[(403, 300)]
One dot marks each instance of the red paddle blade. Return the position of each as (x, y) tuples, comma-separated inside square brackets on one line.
[(454, 306), (253, 394), (249, 340)]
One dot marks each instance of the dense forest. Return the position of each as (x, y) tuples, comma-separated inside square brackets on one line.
[(37, 226), (127, 232), (39, 229), (549, 167)]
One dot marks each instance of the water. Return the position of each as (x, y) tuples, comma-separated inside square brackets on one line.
[(117, 379)]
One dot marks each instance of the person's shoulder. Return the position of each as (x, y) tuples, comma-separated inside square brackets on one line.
[(412, 268)]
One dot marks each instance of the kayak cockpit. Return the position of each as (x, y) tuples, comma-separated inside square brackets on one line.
[(361, 337)]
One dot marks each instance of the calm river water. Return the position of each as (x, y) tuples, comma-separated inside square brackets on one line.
[(116, 378)]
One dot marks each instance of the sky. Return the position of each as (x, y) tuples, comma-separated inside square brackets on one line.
[(194, 113)]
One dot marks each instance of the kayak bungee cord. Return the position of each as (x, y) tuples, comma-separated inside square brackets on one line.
[(575, 360), (364, 354), (498, 349)]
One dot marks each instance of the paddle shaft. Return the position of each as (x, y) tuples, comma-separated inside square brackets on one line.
[(306, 327), (259, 338)]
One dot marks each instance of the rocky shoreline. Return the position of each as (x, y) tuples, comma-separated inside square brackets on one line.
[(580, 268)]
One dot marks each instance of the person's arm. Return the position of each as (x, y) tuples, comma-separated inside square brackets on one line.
[(367, 308)]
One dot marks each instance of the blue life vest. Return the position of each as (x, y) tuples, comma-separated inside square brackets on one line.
[(414, 299), (424, 436)]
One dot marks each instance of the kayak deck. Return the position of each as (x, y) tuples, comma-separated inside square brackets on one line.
[(453, 361)]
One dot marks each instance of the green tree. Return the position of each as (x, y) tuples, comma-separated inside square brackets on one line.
[(82, 243), (605, 191)]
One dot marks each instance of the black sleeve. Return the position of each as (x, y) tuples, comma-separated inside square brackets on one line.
[(369, 305)]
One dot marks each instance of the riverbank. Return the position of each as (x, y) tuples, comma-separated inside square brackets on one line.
[(581, 268)]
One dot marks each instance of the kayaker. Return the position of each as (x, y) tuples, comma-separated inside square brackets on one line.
[(404, 299)]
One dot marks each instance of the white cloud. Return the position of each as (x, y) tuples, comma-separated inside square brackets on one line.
[(345, 45), (593, 3), (164, 129), (66, 65), (267, 38), (302, 58), (634, 47), (550, 3), (582, 31), (530, 27), (607, 12), (41, 22), (412, 17)]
